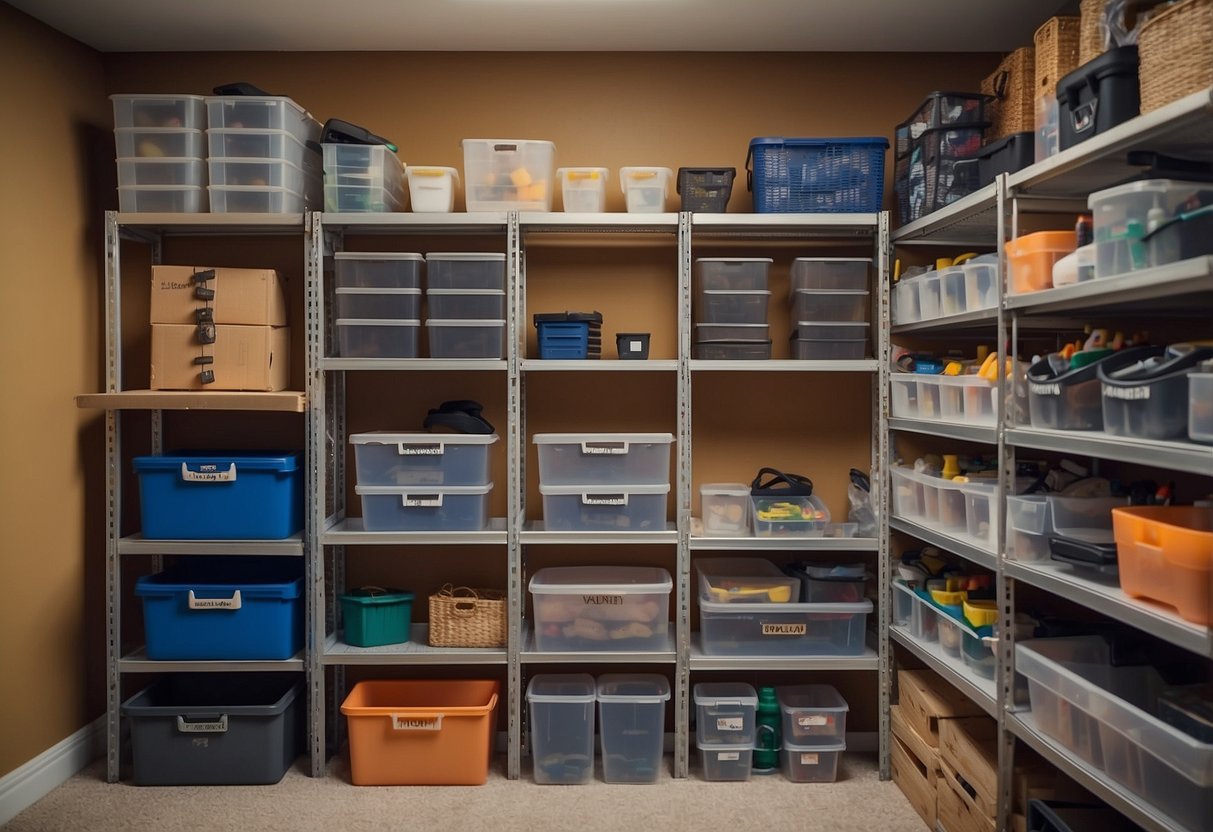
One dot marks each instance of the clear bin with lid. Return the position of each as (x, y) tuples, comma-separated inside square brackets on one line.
[(159, 111), (162, 199), (466, 304), (362, 199), (790, 516), (738, 274), (631, 712), (604, 508), (600, 608), (724, 306), (904, 302), (395, 304), (981, 282), (415, 458), (645, 189), (731, 333), (261, 144), (377, 338), (378, 269), (137, 172), (583, 190), (255, 200), (811, 763), (829, 305), (508, 174), (953, 291), (930, 303), (259, 173), (830, 273), (369, 165), (725, 509), (256, 112), (1149, 400), (731, 351), (725, 714), (1200, 404), (1034, 517), (970, 399), (1165, 553), (431, 189), (466, 339), (725, 763), (1030, 259), (424, 508), (829, 340), (1124, 214), (466, 270), (604, 458), (158, 143), (782, 629), (745, 581), (812, 714), (562, 727)]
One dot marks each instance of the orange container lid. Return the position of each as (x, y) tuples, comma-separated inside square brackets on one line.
[(1042, 241)]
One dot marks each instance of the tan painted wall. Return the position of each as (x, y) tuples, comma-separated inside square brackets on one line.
[(56, 140)]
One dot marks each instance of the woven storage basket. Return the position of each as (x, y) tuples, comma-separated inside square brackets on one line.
[(464, 617), (1012, 107), (1176, 53), (1090, 41), (1056, 53)]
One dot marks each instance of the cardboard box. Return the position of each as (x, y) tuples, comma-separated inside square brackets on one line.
[(915, 767), (250, 297), (969, 747), (956, 809), (245, 358), (925, 698)]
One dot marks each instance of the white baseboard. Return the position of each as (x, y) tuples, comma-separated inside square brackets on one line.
[(24, 786)]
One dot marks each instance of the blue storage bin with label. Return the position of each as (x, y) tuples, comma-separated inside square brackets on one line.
[(224, 609), (217, 495)]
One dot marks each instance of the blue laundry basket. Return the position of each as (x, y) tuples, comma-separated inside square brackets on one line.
[(816, 176)]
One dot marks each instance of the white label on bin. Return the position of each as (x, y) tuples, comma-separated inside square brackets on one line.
[(208, 473), (212, 726), (406, 722), (730, 723), (421, 500), (728, 756), (808, 759), (1045, 389), (1129, 394), (598, 600), (784, 629), (420, 450), (604, 500), (614, 448), (635, 346), (814, 721), (232, 603)]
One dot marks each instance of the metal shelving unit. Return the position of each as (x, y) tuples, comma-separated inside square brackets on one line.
[(986, 434), (416, 651), (956, 546), (785, 544), (668, 654), (982, 691), (868, 660)]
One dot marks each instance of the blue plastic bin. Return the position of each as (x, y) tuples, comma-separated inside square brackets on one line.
[(216, 495), (563, 340), (223, 609), (814, 176)]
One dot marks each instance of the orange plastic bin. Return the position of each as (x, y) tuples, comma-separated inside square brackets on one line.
[(421, 732), (1165, 553), (1030, 259)]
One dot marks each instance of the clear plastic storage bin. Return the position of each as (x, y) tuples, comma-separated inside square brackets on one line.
[(1034, 517), (423, 508), (583, 189), (159, 143), (162, 199), (466, 339), (732, 333), (811, 764), (732, 351), (260, 173), (254, 112), (721, 306), (601, 608), (261, 144), (725, 509), (829, 339), (738, 274), (562, 727), (953, 291), (1200, 405), (904, 302), (432, 189), (508, 174), (610, 459), (631, 712), (361, 199), (393, 304), (377, 338), (466, 304), (725, 763), (378, 270), (745, 581), (645, 189), (812, 714), (725, 714), (1123, 214), (766, 629), (466, 270), (133, 173), (930, 302), (155, 110), (789, 516), (368, 165), (604, 508), (830, 273), (255, 200), (387, 458), (815, 350), (829, 305), (981, 283), (1150, 402)]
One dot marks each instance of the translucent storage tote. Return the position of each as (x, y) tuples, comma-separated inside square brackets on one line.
[(259, 173), (725, 763), (1034, 518), (789, 516), (162, 199), (431, 189), (278, 145), (254, 112), (604, 508), (466, 339), (1122, 216), (631, 711), (562, 727), (829, 304), (133, 173), (378, 269), (745, 581), (1200, 404), (466, 304), (981, 283), (645, 189), (1166, 555), (368, 165), (255, 200), (1150, 400), (811, 763), (420, 508), (387, 458), (952, 291), (600, 608), (725, 509), (216, 729), (829, 340), (737, 274), (722, 306), (812, 714), (415, 732), (508, 174), (604, 458), (732, 333), (377, 338), (362, 199), (466, 270), (583, 189), (912, 611), (159, 143), (159, 111), (395, 304), (724, 714), (830, 274)]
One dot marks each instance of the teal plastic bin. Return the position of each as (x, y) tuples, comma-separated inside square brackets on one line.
[(375, 616)]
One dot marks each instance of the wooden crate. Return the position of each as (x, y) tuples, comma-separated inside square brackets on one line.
[(957, 810), (969, 747), (1056, 53), (925, 698), (915, 767)]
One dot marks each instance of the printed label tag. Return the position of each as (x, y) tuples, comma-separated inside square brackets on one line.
[(814, 721), (619, 500), (784, 629), (728, 756), (233, 603), (730, 723), (210, 726), (635, 346), (1046, 389), (421, 502), (1128, 394), (808, 759), (415, 723), (420, 450), (602, 599), (603, 450), (209, 473)]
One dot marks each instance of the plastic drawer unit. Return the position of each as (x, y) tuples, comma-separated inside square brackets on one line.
[(725, 509), (724, 306), (424, 508), (213, 729), (1165, 553), (1123, 215), (378, 304), (631, 711), (812, 714), (809, 763), (421, 732), (604, 458), (373, 616), (466, 304), (1200, 404), (725, 714), (600, 608), (216, 495), (1034, 518), (386, 458), (562, 727), (1104, 714), (583, 190), (361, 177), (1149, 400), (645, 189), (1071, 399), (829, 274), (466, 339), (508, 174), (144, 111), (466, 270), (377, 337), (223, 610), (378, 269), (736, 274), (431, 189), (725, 763)]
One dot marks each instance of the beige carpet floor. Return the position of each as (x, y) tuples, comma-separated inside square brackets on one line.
[(858, 802)]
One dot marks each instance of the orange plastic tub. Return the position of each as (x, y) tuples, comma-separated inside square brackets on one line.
[(1030, 259), (1166, 554), (421, 732)]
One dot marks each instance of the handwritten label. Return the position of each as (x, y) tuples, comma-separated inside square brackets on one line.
[(416, 723), (209, 473), (814, 721), (784, 629), (597, 600), (730, 723), (808, 759)]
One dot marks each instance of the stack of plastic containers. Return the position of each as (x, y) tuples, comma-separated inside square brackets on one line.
[(161, 157), (362, 178), (829, 301), (260, 162), (465, 295), (725, 729), (416, 482), (378, 299), (731, 298), (814, 732)]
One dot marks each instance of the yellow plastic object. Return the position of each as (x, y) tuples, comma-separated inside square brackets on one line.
[(963, 258), (580, 175), (949, 599), (521, 177), (429, 171), (953, 368), (951, 467), (980, 613), (775, 594), (641, 174)]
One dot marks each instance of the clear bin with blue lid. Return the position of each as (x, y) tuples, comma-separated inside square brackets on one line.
[(561, 726), (215, 495), (418, 458), (631, 710), (725, 713)]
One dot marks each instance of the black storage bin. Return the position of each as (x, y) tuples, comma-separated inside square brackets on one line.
[(938, 170), (1098, 95), (940, 109), (632, 346), (1151, 401), (1054, 816), (706, 190), (1007, 155), (1071, 400)]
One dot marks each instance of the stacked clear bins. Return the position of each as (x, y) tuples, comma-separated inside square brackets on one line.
[(465, 295), (814, 730), (1036, 519), (562, 728), (829, 302), (422, 482), (966, 509), (725, 729), (964, 631), (731, 298), (361, 178), (378, 299), (259, 158), (969, 287), (967, 399), (161, 158)]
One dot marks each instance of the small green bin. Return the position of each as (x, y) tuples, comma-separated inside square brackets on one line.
[(375, 616)]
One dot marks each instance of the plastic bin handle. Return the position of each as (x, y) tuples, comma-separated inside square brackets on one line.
[(421, 500), (233, 603), (505, 148), (417, 722), (428, 449), (604, 499), (209, 724), (605, 448), (208, 473)]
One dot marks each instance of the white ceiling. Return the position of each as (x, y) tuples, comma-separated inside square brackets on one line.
[(546, 25)]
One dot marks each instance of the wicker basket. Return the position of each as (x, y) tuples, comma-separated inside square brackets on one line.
[(464, 617), (1175, 52), (1090, 38), (1056, 53), (1012, 107)]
